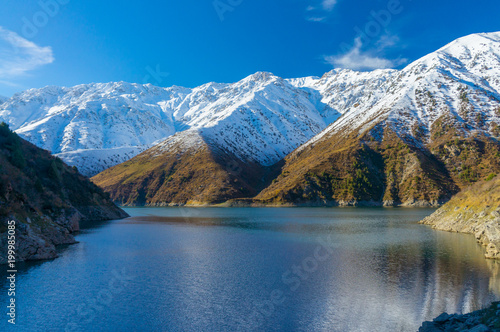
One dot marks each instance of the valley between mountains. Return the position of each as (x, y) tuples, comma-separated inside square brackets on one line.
[(409, 137)]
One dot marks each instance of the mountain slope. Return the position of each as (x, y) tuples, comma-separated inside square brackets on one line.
[(432, 131), (260, 118), (459, 80), (46, 199), (184, 169), (252, 124)]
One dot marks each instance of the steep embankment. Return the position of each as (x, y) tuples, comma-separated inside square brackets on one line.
[(475, 210), (46, 198)]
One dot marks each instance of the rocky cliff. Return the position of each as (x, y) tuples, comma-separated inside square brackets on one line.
[(45, 198)]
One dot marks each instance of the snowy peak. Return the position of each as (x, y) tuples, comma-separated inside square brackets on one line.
[(261, 76), (474, 59), (471, 45), (460, 81)]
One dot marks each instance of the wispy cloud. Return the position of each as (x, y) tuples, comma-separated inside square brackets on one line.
[(357, 59), (19, 56), (319, 12), (328, 4), (316, 19), (386, 41)]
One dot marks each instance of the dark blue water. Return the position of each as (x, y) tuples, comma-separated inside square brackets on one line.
[(256, 269)]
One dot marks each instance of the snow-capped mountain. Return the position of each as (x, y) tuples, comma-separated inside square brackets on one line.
[(260, 118), (461, 80)]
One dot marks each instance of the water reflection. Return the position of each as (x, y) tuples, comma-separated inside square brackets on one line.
[(218, 269)]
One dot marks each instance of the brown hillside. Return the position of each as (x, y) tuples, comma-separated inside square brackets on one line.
[(177, 174), (352, 170)]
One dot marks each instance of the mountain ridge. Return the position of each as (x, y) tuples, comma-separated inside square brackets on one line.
[(134, 117), (440, 114)]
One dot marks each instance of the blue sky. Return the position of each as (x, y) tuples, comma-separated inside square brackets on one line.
[(192, 42)]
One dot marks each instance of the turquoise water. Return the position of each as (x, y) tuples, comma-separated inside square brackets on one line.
[(256, 269)]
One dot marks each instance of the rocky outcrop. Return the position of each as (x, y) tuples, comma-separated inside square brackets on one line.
[(46, 199), (475, 210), (484, 320)]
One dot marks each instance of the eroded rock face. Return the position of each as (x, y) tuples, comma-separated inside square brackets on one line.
[(488, 234)]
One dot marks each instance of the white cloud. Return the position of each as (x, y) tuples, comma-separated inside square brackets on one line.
[(356, 59), (19, 56), (328, 4)]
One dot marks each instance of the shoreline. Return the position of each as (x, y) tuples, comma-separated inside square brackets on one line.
[(243, 202), (482, 320)]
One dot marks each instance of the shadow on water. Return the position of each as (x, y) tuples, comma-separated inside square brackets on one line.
[(204, 222), (89, 225), (293, 225), (24, 268)]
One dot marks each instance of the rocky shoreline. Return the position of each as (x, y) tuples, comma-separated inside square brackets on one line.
[(353, 203), (485, 227), (484, 320), (250, 202), (37, 239), (475, 211), (43, 201)]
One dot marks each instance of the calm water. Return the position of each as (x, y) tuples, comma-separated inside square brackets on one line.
[(269, 269)]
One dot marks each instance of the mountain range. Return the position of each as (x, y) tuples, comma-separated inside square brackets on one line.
[(262, 118), (413, 136)]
